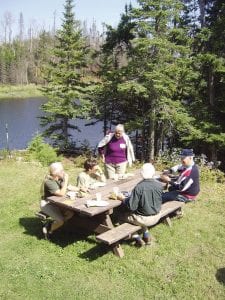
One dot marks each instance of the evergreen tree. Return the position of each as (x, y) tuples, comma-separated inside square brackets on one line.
[(155, 81), (112, 57), (66, 84), (208, 106)]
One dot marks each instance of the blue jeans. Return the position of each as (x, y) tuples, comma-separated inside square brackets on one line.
[(174, 195)]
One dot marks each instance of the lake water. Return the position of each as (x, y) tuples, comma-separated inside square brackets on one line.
[(21, 115)]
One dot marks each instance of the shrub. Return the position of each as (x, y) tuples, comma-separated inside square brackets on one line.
[(211, 175), (41, 151)]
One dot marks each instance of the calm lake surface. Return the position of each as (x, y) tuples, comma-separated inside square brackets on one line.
[(23, 124)]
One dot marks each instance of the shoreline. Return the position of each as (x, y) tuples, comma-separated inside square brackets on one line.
[(20, 91)]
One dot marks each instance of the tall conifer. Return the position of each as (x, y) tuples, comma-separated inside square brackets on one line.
[(65, 80)]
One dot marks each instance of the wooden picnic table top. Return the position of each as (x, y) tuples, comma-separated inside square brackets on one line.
[(80, 204)]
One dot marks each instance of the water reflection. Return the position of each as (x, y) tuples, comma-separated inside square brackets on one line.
[(23, 123)]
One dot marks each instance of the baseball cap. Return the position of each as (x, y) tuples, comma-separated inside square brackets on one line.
[(187, 152)]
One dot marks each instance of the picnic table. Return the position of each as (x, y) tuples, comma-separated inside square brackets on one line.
[(98, 218)]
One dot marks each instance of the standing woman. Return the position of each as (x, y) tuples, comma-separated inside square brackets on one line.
[(116, 151)]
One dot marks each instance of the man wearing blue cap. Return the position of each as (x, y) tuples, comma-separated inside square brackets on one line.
[(186, 187)]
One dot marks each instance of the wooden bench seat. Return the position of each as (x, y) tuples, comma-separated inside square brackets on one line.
[(126, 229), (118, 233), (169, 208)]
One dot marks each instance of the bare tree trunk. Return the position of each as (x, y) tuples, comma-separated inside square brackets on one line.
[(144, 141), (151, 137), (211, 87), (21, 28), (202, 8), (213, 153), (159, 139)]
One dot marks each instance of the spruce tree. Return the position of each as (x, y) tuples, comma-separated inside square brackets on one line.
[(66, 86), (208, 103), (155, 79)]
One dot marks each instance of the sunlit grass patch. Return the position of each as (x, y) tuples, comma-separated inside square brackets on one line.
[(183, 263)]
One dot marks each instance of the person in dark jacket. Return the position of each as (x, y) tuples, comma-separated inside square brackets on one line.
[(144, 204), (186, 187)]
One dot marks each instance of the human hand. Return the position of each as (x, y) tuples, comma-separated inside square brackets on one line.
[(165, 178), (84, 189), (120, 197)]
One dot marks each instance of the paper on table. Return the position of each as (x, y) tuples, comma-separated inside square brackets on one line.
[(96, 203), (71, 194), (99, 184)]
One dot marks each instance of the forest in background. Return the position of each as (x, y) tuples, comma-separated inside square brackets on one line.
[(160, 72)]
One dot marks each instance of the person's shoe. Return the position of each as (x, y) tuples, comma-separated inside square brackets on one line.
[(46, 229), (139, 243), (147, 240)]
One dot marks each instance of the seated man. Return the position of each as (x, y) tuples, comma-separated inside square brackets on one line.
[(55, 184), (144, 204), (186, 187), (92, 177)]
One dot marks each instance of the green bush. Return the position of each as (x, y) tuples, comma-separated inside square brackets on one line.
[(41, 151), (4, 153), (211, 175)]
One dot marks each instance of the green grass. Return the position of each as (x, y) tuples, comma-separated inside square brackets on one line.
[(19, 91), (187, 260)]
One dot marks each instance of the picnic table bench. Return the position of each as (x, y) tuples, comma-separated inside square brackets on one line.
[(98, 219), (126, 230)]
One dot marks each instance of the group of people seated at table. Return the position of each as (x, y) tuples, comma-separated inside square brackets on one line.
[(142, 207), (56, 183)]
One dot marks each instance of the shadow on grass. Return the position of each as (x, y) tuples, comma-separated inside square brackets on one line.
[(64, 237), (94, 253), (32, 227), (220, 275)]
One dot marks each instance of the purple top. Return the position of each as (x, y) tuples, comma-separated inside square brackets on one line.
[(115, 151)]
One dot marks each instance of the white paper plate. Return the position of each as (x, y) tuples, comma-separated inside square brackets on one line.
[(96, 203), (71, 194)]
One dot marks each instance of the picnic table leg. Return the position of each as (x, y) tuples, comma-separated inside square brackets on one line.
[(108, 222), (117, 249), (168, 221)]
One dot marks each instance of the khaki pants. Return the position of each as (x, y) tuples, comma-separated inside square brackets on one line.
[(112, 169), (143, 221), (57, 214)]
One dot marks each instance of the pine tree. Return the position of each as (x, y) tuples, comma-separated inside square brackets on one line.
[(208, 93), (155, 79), (65, 81)]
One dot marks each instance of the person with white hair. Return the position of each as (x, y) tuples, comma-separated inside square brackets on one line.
[(116, 151), (54, 184), (186, 186), (144, 204)]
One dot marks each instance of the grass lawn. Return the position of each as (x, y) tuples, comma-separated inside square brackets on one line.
[(187, 260), (19, 91)]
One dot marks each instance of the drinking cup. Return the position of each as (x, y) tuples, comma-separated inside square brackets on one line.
[(116, 190), (98, 196), (116, 177)]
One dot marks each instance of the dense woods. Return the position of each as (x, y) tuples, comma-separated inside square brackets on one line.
[(161, 72)]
